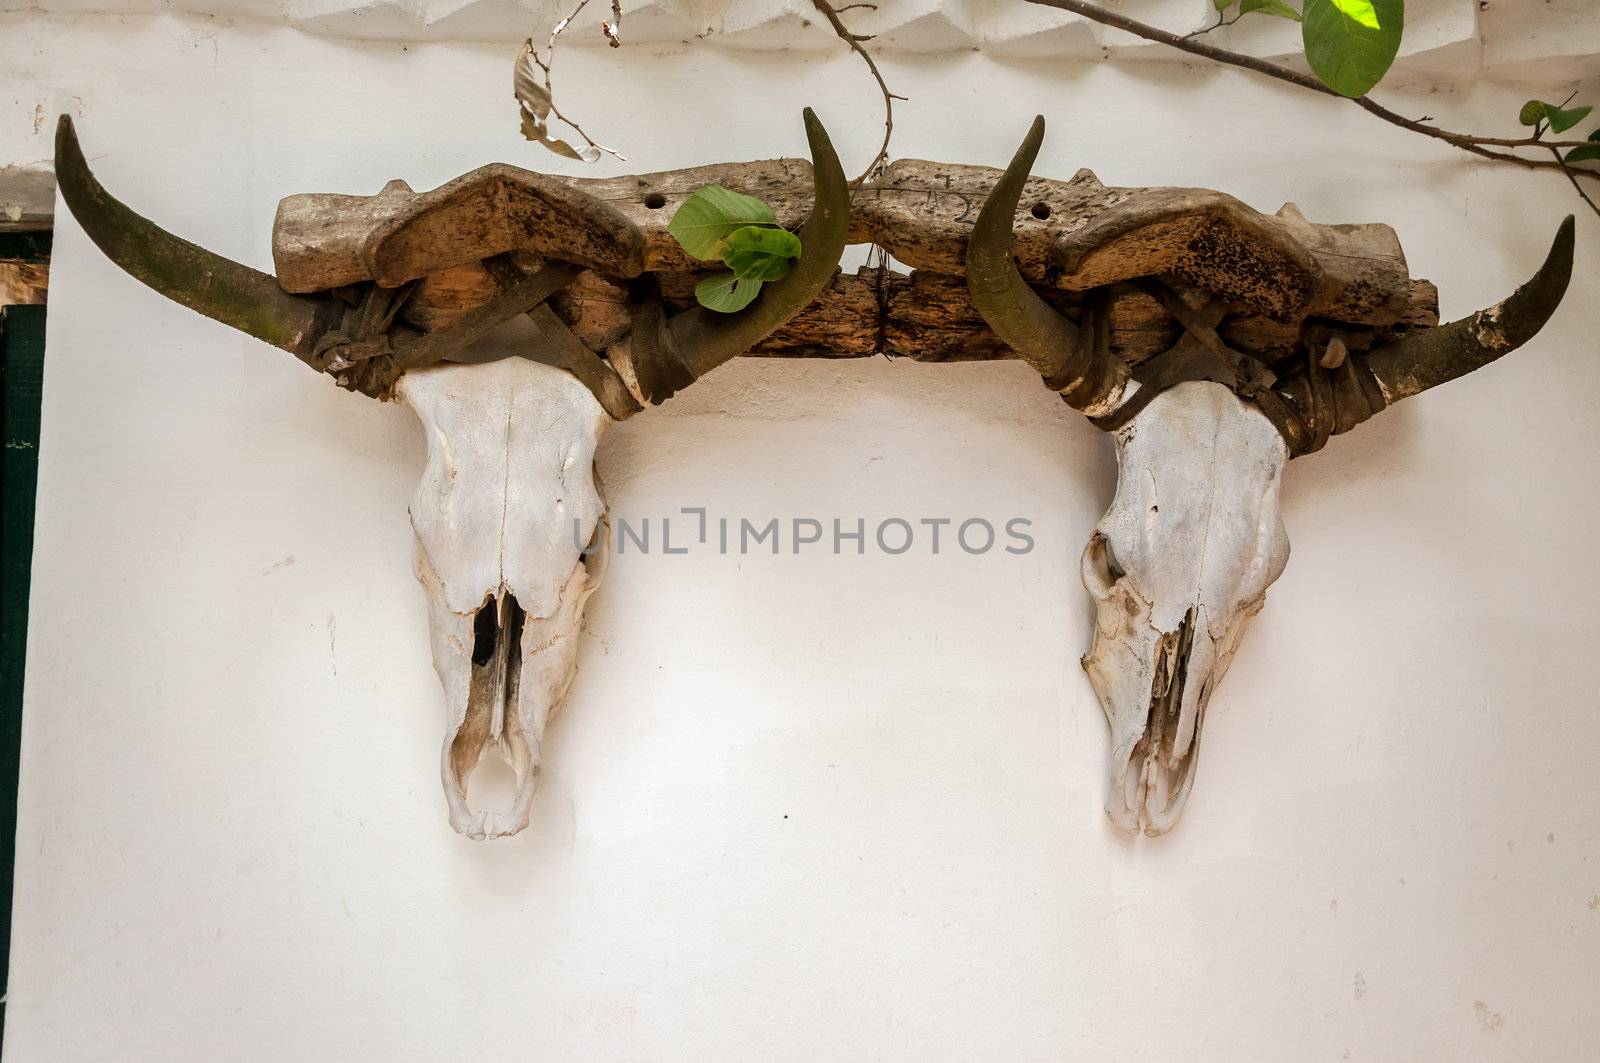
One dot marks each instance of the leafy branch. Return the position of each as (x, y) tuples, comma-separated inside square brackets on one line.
[(1243, 8), (717, 224), (1350, 45)]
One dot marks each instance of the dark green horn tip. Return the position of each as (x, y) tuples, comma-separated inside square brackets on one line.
[(1556, 273), (1566, 238), (813, 124), (822, 151), (1537, 300), (1029, 151), (67, 140)]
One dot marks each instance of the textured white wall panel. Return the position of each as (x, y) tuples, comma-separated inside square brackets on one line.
[(797, 807), (1536, 40)]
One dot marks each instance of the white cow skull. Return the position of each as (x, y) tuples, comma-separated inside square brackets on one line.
[(508, 496), (1183, 558), (510, 525), (1177, 566)]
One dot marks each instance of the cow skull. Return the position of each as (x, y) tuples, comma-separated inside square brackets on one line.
[(1177, 567), (507, 501), (510, 524), (1183, 558)]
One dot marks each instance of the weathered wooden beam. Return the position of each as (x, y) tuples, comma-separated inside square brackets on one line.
[(1080, 234), (23, 283), (615, 225), (24, 267), (1070, 235), (924, 316)]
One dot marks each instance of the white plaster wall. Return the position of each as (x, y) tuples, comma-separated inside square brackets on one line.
[(1540, 41), (796, 808)]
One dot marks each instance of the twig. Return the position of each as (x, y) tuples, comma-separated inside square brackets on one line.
[(1566, 168), (1222, 20), (545, 66), (1480, 146), (855, 40), (612, 28)]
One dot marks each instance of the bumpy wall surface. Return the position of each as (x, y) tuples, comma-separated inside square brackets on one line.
[(1458, 36), (798, 806)]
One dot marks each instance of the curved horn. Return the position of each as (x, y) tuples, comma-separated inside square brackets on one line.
[(219, 288), (1423, 360), (1033, 328), (706, 339)]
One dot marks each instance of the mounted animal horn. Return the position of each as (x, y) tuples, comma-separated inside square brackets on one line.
[(219, 288), (360, 342), (668, 354), (1422, 360), (1073, 361), (1321, 400)]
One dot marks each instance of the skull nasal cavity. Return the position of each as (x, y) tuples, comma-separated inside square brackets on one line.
[(486, 627)]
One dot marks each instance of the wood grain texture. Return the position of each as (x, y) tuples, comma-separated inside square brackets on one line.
[(1071, 236), (927, 317), (1285, 281), (1079, 234), (616, 225)]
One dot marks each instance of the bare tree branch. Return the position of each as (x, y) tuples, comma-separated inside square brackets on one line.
[(1571, 175), (1222, 20), (855, 40), (538, 101)]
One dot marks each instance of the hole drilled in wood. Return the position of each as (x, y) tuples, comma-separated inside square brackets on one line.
[(655, 201), (1041, 210)]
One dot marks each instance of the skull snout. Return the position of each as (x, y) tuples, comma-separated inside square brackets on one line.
[(1155, 717), (492, 724)]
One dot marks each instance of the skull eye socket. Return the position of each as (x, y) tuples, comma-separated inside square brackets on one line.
[(597, 554), (1100, 568)]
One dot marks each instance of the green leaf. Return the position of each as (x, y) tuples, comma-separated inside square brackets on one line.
[(1535, 111), (757, 266), (767, 241), (1563, 120), (726, 293), (1351, 44), (1585, 153), (1222, 5), (1361, 12), (763, 254), (704, 221), (1269, 7)]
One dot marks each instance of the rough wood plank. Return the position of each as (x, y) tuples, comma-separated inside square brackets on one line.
[(1071, 236), (925, 316), (398, 235), (615, 225), (23, 283), (318, 239), (1079, 234), (650, 200), (445, 297)]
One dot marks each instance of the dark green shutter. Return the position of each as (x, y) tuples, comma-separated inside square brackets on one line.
[(22, 375)]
